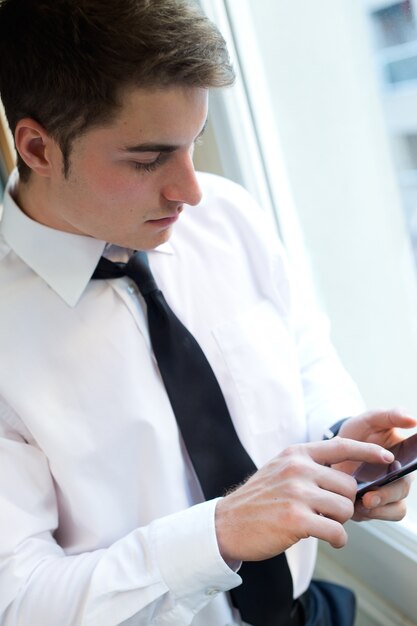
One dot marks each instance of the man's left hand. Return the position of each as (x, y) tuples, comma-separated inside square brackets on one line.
[(381, 427)]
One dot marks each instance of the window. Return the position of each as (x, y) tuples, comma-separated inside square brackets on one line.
[(393, 24), (321, 127), (394, 39)]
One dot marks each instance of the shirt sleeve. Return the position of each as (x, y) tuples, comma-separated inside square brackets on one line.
[(163, 573), (330, 393)]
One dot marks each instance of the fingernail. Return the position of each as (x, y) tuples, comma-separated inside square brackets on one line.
[(388, 456), (374, 502)]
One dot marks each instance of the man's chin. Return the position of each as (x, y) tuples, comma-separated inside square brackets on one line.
[(150, 243)]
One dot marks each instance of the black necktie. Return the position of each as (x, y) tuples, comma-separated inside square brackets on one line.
[(219, 459)]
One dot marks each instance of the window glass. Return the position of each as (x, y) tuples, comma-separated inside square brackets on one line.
[(394, 50)]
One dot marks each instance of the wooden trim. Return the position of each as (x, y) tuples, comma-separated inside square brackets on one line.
[(6, 148)]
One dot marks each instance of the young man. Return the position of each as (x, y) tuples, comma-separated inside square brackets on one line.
[(103, 517)]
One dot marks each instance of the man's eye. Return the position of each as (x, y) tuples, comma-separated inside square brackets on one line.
[(148, 167)]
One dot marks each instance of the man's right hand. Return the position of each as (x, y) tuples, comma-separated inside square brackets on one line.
[(294, 496)]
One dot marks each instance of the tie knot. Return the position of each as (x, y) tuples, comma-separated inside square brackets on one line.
[(137, 268)]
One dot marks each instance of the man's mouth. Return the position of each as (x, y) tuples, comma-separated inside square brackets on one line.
[(166, 220)]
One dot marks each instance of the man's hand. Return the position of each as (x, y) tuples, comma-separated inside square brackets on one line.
[(294, 496), (387, 502)]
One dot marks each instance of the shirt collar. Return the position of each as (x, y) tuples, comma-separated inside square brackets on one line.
[(65, 261)]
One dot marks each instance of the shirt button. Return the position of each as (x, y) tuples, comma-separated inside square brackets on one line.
[(212, 591), (131, 289)]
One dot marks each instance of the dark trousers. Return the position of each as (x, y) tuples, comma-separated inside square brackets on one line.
[(325, 604)]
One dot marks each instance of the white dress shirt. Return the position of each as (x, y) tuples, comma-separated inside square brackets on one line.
[(102, 521)]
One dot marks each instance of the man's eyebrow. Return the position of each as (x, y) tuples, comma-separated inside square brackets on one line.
[(151, 147), (159, 147)]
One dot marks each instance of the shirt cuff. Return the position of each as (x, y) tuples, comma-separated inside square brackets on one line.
[(333, 430), (187, 553)]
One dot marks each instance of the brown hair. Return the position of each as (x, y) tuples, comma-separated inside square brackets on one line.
[(65, 63)]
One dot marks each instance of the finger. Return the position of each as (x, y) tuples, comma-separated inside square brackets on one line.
[(394, 418), (328, 530), (339, 449), (387, 494), (391, 512), (337, 482), (332, 505)]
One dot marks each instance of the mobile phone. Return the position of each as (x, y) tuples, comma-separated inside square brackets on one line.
[(372, 475)]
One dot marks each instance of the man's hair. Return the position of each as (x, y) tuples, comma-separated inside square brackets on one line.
[(66, 63)]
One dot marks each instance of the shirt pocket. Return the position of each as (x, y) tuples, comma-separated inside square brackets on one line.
[(261, 358)]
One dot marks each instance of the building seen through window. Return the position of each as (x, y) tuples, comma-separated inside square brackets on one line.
[(393, 28)]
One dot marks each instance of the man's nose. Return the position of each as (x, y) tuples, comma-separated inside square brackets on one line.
[(182, 184)]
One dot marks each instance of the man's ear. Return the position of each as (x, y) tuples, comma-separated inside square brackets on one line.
[(36, 147)]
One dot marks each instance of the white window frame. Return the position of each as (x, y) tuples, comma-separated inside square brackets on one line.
[(231, 113)]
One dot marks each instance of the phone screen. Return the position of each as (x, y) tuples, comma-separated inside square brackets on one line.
[(370, 475)]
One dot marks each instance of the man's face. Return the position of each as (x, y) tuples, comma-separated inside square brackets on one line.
[(128, 181)]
